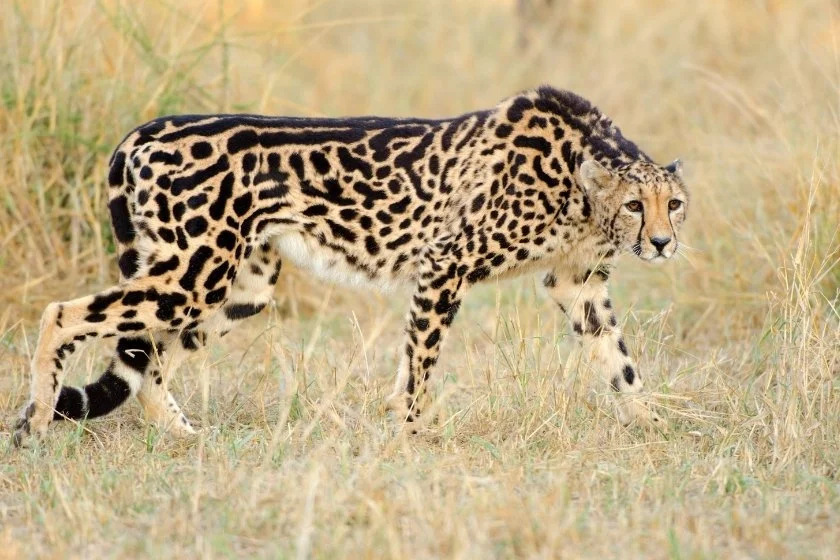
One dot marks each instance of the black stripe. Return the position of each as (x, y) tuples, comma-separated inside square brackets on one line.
[(70, 404), (106, 394)]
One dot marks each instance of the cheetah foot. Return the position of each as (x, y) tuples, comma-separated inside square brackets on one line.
[(178, 427), (32, 423), (406, 413), (632, 411)]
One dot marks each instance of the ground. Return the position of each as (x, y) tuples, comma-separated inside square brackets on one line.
[(739, 340)]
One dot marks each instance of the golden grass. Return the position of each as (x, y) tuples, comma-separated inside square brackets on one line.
[(740, 341)]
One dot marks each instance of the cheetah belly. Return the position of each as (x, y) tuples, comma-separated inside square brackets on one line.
[(329, 265)]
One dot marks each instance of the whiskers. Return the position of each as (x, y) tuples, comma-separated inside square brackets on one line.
[(684, 251)]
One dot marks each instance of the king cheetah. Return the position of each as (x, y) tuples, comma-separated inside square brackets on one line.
[(205, 208)]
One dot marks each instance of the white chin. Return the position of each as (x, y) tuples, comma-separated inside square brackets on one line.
[(655, 259)]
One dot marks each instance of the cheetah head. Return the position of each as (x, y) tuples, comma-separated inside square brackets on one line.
[(639, 206)]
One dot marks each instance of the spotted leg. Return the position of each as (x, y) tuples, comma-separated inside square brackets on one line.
[(117, 311), (584, 298), (251, 291), (436, 300)]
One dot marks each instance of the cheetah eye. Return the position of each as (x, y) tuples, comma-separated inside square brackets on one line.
[(674, 204), (634, 206)]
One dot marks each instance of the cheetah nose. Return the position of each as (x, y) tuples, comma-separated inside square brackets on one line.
[(659, 242)]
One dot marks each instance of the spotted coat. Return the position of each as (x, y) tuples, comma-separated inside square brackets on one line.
[(205, 207)]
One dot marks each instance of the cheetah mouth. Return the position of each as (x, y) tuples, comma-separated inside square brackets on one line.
[(657, 258)]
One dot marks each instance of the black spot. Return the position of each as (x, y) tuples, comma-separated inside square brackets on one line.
[(188, 340), (371, 245), (201, 176), (622, 347), (341, 232), (163, 267), (320, 162), (478, 202), (216, 296), (217, 209), (238, 311), (249, 162), (593, 325), (351, 163), (400, 206), (242, 204), (504, 130), (129, 263), (517, 108), (226, 240), (181, 238), (163, 207), (130, 326), (533, 142), (478, 274), (167, 304), (629, 374), (146, 173), (316, 210), (134, 297), (216, 275), (433, 338), (401, 240), (196, 265), (201, 150), (197, 200), (117, 171), (102, 302), (121, 219), (196, 226)]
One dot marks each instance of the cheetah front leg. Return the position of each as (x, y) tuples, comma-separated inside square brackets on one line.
[(584, 298), (436, 300)]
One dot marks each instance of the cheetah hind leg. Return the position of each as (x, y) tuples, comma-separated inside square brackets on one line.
[(251, 291), (159, 406), (65, 325)]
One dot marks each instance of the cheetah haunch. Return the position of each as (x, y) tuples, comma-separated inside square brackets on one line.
[(204, 208)]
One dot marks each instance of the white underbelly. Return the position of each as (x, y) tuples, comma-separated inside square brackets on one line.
[(326, 264)]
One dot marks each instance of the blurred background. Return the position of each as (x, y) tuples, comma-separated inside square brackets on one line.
[(739, 339)]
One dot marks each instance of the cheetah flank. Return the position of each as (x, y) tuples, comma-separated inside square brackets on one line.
[(204, 209)]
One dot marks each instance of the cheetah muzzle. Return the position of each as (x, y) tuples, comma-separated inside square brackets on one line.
[(204, 209)]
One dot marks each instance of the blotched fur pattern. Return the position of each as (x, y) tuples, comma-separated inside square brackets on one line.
[(204, 209)]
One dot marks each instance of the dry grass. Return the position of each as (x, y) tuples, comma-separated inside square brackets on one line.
[(740, 342)]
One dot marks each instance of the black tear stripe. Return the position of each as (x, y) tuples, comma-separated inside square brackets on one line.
[(639, 238)]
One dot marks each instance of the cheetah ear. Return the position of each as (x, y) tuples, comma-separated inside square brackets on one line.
[(675, 167), (595, 176)]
